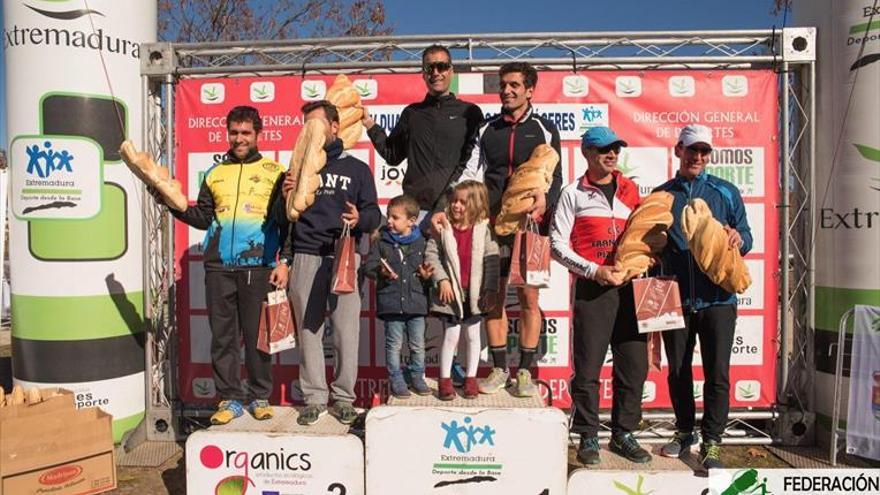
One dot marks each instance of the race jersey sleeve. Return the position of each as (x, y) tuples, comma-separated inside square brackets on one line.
[(737, 219), (560, 237), (473, 118), (552, 195), (201, 215), (476, 164), (392, 147)]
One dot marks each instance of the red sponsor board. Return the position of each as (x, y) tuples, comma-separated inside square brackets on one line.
[(646, 108)]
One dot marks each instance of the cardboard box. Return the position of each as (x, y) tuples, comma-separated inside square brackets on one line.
[(56, 449), (52, 404)]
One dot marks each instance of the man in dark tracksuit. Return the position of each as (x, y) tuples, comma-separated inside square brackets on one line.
[(710, 311), (241, 245), (504, 142), (435, 136), (347, 194)]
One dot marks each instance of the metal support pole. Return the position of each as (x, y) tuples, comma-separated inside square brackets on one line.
[(811, 240), (784, 264)]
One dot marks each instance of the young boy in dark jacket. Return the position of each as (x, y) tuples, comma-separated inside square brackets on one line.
[(396, 263)]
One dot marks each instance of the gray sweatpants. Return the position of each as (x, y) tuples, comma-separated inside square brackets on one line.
[(309, 287)]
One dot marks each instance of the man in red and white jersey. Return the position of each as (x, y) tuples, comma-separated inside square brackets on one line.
[(590, 217)]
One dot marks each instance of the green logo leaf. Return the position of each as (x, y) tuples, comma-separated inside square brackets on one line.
[(311, 90), (233, 485), (626, 88), (698, 391), (363, 90), (734, 86), (633, 491), (872, 154), (210, 93), (680, 86), (575, 86), (261, 92), (747, 391)]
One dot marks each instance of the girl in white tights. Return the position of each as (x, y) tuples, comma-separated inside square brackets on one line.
[(465, 270)]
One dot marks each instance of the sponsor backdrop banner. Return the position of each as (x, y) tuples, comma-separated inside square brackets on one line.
[(465, 450), (647, 108), (75, 243), (863, 413), (847, 172)]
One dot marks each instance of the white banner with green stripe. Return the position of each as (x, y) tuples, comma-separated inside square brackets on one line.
[(847, 171), (75, 227)]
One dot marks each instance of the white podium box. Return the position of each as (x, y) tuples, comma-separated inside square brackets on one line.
[(466, 450), (276, 456), (657, 482)]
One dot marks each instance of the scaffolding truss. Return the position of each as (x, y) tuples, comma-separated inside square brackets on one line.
[(790, 51)]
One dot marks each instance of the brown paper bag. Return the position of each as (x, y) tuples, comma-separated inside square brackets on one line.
[(658, 304), (344, 264), (530, 258), (277, 330)]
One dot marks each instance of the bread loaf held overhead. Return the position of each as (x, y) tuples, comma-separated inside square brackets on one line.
[(645, 234), (708, 243), (347, 100), (534, 174), (145, 168)]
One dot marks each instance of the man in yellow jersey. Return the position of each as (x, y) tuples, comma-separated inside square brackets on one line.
[(240, 247)]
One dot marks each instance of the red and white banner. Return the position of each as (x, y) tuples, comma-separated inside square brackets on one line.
[(646, 108)]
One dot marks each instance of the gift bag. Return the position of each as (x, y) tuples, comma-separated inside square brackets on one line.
[(530, 258), (277, 331), (344, 264), (658, 304)]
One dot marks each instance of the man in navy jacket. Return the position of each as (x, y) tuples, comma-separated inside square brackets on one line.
[(710, 311)]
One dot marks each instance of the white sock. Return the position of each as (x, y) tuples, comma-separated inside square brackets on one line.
[(450, 342), (473, 342)]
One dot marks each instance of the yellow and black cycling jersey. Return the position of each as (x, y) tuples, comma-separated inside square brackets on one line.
[(233, 205)]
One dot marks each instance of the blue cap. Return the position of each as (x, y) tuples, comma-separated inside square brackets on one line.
[(600, 137)]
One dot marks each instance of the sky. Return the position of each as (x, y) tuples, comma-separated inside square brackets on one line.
[(509, 16)]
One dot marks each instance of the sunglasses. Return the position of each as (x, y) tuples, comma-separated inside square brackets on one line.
[(700, 150), (615, 147), (439, 66)]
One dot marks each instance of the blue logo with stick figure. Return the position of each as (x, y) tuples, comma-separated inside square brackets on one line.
[(463, 437), (44, 162)]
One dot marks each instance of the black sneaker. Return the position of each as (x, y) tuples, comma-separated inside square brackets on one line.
[(310, 415), (628, 447), (344, 412), (710, 453), (588, 451), (680, 443)]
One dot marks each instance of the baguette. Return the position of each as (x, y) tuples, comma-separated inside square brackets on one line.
[(145, 168), (347, 100), (17, 396), (708, 243), (2, 397), (307, 161), (33, 396), (534, 174), (645, 234)]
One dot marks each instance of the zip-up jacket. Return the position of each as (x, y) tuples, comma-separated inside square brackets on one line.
[(502, 145), (585, 228), (343, 178), (233, 206), (435, 136), (406, 295), (725, 201)]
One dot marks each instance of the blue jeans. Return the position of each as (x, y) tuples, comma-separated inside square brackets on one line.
[(414, 328)]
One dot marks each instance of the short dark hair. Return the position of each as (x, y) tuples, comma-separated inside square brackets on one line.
[(329, 109), (407, 202), (434, 49), (244, 113), (530, 75)]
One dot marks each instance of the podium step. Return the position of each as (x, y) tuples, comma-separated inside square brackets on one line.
[(284, 421), (501, 399)]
